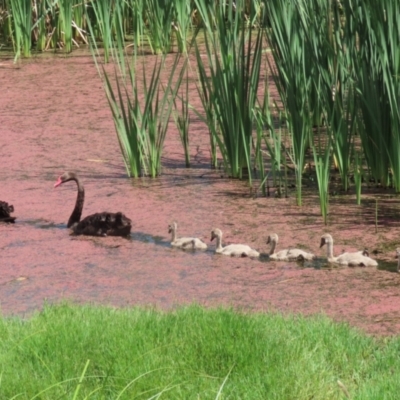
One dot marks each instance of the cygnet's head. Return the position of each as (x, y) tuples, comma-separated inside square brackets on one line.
[(326, 239)]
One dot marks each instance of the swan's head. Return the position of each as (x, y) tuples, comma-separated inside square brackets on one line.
[(172, 227), (216, 233), (300, 258), (65, 177), (122, 220), (6, 208), (326, 239), (272, 238)]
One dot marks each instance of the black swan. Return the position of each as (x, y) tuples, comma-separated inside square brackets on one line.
[(99, 224), (5, 211)]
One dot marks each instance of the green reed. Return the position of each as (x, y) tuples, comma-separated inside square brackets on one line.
[(377, 63), (210, 122), (182, 23), (333, 75), (65, 23), (259, 158), (39, 27), (230, 80), (79, 19), (141, 109), (274, 146), (204, 90), (157, 111), (322, 160), (358, 176), (134, 21), (291, 71), (271, 141), (254, 13), (182, 119), (130, 137), (103, 24), (54, 40), (21, 14), (159, 17), (5, 22), (337, 63)]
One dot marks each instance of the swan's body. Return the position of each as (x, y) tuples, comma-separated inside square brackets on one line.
[(287, 254), (349, 258), (239, 250), (185, 243), (5, 211), (99, 224)]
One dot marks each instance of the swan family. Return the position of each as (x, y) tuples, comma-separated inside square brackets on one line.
[(117, 224), (358, 258)]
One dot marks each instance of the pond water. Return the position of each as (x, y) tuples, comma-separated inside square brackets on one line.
[(54, 117)]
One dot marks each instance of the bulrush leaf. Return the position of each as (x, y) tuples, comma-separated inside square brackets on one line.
[(292, 72), (21, 14), (229, 81)]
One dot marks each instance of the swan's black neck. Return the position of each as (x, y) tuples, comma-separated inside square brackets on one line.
[(80, 198)]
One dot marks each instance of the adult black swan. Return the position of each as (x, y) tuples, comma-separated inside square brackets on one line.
[(5, 211), (99, 224)]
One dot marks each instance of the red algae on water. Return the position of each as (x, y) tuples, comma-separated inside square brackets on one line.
[(55, 118)]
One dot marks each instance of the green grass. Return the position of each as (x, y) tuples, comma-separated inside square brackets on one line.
[(190, 353)]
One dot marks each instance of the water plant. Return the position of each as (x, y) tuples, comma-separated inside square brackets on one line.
[(79, 16), (182, 119), (322, 169), (39, 30), (358, 176), (21, 13), (332, 77), (182, 23), (141, 121), (135, 23), (65, 23), (377, 68), (103, 24), (272, 141), (159, 16), (230, 82), (291, 71), (259, 159), (204, 92)]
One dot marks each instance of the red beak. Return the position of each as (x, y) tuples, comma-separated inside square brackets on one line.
[(58, 183)]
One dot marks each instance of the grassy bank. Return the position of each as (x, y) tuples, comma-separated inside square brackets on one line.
[(85, 352)]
